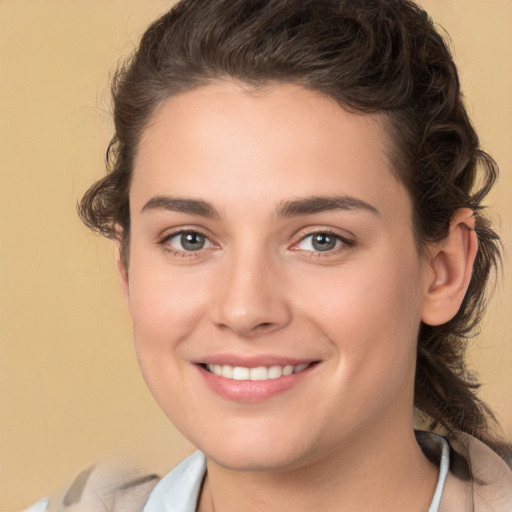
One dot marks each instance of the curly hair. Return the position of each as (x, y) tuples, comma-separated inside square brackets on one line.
[(370, 56)]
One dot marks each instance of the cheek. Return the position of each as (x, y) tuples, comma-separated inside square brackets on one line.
[(165, 309), (371, 315), (165, 306)]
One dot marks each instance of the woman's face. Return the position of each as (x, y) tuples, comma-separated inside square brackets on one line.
[(268, 236)]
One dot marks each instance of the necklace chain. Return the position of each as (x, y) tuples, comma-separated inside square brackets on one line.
[(211, 494)]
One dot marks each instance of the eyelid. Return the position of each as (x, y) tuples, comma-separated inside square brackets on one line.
[(346, 242), (164, 238)]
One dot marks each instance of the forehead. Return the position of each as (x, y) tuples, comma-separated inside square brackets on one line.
[(283, 141)]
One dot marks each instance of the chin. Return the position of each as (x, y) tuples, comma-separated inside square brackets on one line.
[(254, 459), (252, 450)]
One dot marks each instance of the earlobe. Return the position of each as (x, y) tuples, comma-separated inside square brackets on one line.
[(450, 268), (122, 272)]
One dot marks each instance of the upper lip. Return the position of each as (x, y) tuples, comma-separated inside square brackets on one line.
[(253, 361)]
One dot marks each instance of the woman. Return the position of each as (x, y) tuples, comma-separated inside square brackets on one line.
[(295, 191)]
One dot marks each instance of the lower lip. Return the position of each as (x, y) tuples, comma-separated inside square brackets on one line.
[(252, 391)]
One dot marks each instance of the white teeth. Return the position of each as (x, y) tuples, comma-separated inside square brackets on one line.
[(300, 367), (241, 373), (227, 371), (275, 372), (258, 373), (288, 369)]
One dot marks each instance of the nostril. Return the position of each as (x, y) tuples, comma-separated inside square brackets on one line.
[(263, 325)]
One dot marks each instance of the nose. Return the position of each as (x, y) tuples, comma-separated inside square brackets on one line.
[(250, 297)]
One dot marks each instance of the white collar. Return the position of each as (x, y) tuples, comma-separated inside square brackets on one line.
[(443, 472), (179, 490)]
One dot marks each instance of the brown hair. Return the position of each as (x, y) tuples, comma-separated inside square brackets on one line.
[(371, 56)]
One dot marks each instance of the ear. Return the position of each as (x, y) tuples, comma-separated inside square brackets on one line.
[(122, 272), (449, 270)]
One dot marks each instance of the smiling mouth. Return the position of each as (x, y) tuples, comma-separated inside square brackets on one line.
[(258, 373)]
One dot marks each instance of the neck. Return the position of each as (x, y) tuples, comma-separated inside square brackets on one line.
[(372, 471)]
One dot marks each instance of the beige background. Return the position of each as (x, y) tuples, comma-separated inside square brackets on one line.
[(70, 392)]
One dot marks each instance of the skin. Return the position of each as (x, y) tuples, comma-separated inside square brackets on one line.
[(259, 287)]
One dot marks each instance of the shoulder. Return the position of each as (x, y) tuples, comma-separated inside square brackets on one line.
[(111, 489), (492, 476), (103, 487), (489, 487)]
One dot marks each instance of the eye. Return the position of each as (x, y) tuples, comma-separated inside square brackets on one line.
[(321, 242), (188, 241)]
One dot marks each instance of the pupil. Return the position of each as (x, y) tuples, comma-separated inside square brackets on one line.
[(324, 242), (192, 241)]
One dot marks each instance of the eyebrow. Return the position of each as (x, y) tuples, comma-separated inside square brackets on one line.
[(182, 205), (286, 209), (319, 204)]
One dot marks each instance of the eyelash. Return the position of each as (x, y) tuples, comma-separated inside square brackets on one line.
[(345, 243), (164, 242)]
